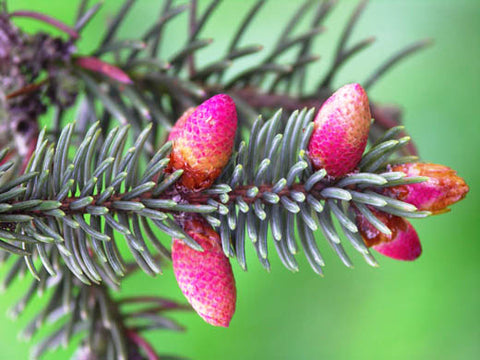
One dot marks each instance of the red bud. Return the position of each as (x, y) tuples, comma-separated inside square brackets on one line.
[(97, 65), (402, 244)]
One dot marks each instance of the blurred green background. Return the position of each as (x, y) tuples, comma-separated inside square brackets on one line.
[(429, 309)]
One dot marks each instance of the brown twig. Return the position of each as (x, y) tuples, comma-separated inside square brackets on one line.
[(27, 89), (258, 99), (46, 19)]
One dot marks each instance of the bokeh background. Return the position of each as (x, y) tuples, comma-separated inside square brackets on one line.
[(429, 309)]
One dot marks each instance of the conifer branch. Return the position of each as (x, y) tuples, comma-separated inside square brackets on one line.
[(64, 215), (48, 205)]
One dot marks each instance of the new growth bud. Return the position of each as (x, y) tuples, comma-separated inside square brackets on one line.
[(341, 131), (402, 244), (205, 278), (442, 189)]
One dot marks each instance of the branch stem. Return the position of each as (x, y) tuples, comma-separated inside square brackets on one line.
[(143, 344)]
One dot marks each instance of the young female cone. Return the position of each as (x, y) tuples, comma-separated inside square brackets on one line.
[(205, 278), (203, 141), (341, 131)]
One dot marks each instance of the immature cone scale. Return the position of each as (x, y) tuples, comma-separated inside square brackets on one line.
[(178, 127), (341, 131), (203, 145), (205, 278)]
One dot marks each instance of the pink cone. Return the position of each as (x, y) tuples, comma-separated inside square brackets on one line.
[(205, 278), (341, 131), (205, 144)]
